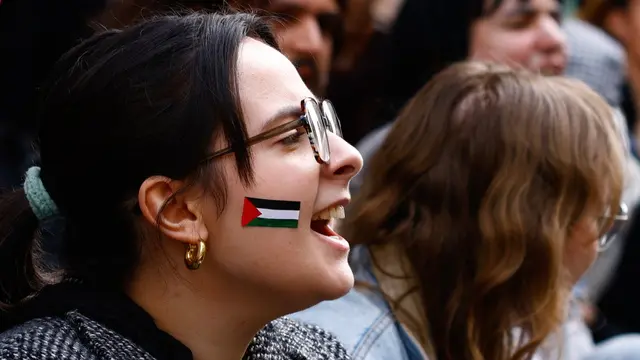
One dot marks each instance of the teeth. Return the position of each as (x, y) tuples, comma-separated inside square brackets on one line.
[(336, 212)]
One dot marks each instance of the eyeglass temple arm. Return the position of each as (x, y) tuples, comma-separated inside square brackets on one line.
[(301, 121)]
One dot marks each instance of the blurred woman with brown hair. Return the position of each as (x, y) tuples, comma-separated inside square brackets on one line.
[(488, 200)]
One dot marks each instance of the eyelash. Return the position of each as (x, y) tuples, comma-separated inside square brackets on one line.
[(294, 138)]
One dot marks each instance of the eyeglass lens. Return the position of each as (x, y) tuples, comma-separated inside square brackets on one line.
[(320, 121), (332, 118), (619, 219)]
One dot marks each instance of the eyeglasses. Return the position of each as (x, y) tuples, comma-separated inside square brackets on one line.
[(317, 119), (609, 235)]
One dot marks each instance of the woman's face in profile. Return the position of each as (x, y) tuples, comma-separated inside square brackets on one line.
[(296, 266), (523, 33), (584, 242)]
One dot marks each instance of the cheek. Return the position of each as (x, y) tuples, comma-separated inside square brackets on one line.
[(502, 45), (581, 249), (278, 260), (327, 50), (278, 176)]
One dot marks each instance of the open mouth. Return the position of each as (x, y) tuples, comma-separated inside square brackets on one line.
[(320, 222), (305, 71), (322, 227)]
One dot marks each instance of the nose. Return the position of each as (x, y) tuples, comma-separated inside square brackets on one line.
[(306, 35), (345, 160), (551, 37)]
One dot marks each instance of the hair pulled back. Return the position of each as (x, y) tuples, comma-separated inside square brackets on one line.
[(120, 107)]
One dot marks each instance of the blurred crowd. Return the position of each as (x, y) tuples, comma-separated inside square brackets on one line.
[(372, 59)]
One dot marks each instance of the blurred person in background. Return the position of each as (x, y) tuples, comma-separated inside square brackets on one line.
[(429, 35), (616, 311), (489, 199), (308, 31), (358, 67), (621, 20), (595, 58), (599, 60)]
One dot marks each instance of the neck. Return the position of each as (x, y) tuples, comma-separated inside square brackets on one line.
[(212, 319)]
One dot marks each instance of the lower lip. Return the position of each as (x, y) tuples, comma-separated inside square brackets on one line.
[(337, 242), (305, 71)]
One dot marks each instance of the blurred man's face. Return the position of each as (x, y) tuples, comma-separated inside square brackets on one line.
[(305, 30), (522, 33)]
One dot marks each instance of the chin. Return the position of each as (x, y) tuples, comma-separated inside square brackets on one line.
[(339, 284), (316, 291), (325, 284)]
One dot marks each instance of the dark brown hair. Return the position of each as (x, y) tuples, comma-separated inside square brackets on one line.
[(596, 11), (479, 182), (120, 107)]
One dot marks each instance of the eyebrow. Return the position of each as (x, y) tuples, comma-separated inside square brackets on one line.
[(285, 112), (526, 8), (521, 9)]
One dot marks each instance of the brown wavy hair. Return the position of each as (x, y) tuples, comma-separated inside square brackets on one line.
[(479, 181)]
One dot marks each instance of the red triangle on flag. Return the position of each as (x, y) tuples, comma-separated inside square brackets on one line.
[(249, 212)]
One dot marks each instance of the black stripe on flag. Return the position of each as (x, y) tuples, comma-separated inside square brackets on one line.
[(275, 204)]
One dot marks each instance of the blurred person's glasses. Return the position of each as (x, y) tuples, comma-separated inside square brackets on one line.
[(316, 120), (609, 235)]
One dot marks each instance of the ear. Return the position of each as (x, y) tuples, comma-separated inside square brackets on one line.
[(177, 215), (616, 23)]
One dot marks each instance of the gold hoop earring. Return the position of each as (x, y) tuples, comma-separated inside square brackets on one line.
[(195, 255)]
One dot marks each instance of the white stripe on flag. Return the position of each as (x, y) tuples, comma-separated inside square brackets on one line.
[(279, 214)]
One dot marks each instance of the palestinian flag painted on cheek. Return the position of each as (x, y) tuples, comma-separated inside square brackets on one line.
[(270, 213)]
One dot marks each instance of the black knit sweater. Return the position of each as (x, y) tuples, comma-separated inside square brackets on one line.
[(67, 322)]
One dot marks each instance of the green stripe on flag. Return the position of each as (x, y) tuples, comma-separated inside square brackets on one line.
[(281, 223)]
